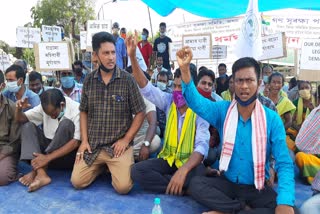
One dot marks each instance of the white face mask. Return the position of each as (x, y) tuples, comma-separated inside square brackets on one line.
[(162, 86), (13, 86)]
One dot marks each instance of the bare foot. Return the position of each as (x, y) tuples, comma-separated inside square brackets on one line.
[(39, 181), (28, 178)]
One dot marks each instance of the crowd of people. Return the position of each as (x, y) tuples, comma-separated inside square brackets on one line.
[(224, 141)]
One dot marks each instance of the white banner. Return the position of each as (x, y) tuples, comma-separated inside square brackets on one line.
[(274, 46), (310, 55), (52, 56), (27, 36), (95, 26), (83, 40), (200, 45), (219, 52), (51, 33), (4, 61)]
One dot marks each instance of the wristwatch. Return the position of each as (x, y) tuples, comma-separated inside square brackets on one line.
[(146, 143)]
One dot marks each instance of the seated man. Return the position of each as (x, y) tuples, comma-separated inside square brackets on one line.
[(250, 133), (311, 206), (69, 87), (9, 138), (54, 146), (146, 141), (186, 140), (36, 83), (16, 89)]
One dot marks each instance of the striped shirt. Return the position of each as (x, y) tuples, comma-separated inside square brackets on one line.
[(75, 95), (316, 183), (110, 108), (308, 139)]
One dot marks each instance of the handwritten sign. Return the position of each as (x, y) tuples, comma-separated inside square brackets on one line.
[(51, 33), (219, 52), (52, 56), (95, 26), (173, 49), (26, 37), (310, 54), (200, 45), (4, 61), (274, 46), (83, 40)]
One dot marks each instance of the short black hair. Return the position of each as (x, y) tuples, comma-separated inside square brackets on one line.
[(206, 72), (303, 81), (123, 29), (52, 97), (19, 71), (276, 74), (193, 72), (163, 24), (293, 81), (203, 68), (145, 31), (163, 73), (77, 62), (246, 62), (35, 76), (1, 77), (267, 66), (101, 37), (222, 65)]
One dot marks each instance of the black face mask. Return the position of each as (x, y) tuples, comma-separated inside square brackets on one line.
[(248, 102), (103, 68)]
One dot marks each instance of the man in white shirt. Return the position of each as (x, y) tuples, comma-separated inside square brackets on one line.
[(54, 145)]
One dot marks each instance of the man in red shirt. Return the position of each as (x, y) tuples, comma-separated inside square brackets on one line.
[(145, 47)]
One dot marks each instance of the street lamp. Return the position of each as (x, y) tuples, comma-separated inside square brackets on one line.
[(101, 8)]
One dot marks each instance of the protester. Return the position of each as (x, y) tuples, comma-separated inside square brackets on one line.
[(228, 94), (79, 71), (36, 83), (9, 138), (222, 83), (161, 46), (244, 160), (110, 97), (311, 206), (146, 141), (145, 47), (171, 172), (24, 65), (55, 145), (267, 70), (285, 107), (308, 143), (16, 89), (120, 47), (123, 33), (159, 68), (69, 87), (293, 93)]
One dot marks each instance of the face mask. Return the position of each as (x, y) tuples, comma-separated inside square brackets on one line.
[(159, 66), (103, 68), (163, 34), (305, 94), (144, 37), (115, 31), (223, 75), (13, 86), (246, 103), (61, 114), (178, 99), (67, 82), (265, 79), (123, 36), (206, 94), (162, 86), (40, 92)]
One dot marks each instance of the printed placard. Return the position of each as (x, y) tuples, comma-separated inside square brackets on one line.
[(83, 40), (274, 46), (95, 26), (219, 52)]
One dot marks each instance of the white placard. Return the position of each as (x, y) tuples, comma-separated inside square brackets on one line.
[(219, 52), (140, 59), (53, 56), (274, 46), (200, 45), (173, 48), (95, 26), (310, 55), (51, 33), (83, 40), (4, 61), (27, 36)]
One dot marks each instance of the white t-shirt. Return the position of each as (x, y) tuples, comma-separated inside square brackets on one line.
[(144, 127), (38, 117)]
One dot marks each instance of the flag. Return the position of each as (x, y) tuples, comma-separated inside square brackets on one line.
[(249, 43)]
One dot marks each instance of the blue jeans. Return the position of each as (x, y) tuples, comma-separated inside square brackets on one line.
[(311, 206)]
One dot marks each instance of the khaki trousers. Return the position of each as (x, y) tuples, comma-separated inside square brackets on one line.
[(83, 175)]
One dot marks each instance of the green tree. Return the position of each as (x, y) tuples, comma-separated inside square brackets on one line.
[(53, 12)]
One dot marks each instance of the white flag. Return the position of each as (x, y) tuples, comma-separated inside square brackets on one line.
[(249, 43)]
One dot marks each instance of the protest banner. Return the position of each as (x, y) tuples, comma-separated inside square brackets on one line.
[(95, 26), (310, 60), (274, 46), (83, 40), (173, 48), (201, 45), (51, 33), (27, 36), (4, 61), (219, 52), (52, 56)]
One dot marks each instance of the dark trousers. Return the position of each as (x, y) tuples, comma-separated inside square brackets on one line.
[(8, 169), (34, 141), (212, 157), (219, 194), (154, 174)]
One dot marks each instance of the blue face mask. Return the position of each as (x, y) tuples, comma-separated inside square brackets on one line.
[(144, 37), (265, 79), (67, 82), (246, 103), (61, 114)]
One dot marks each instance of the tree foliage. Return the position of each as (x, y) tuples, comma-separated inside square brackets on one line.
[(53, 12)]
